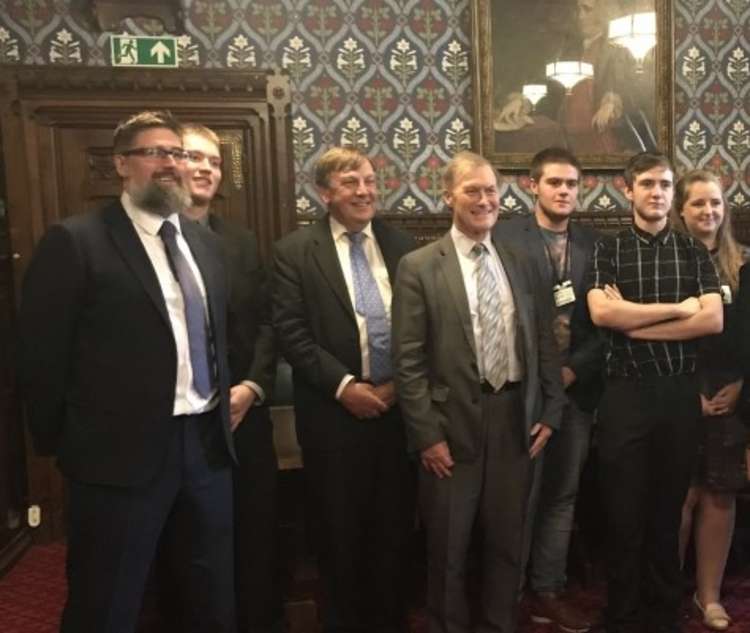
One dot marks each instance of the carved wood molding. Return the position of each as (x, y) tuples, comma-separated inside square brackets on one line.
[(220, 84), (428, 227)]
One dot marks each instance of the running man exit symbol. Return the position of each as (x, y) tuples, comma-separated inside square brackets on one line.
[(144, 51)]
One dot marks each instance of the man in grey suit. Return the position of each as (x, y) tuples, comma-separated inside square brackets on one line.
[(478, 380)]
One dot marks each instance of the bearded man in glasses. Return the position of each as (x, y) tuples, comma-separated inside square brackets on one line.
[(123, 362)]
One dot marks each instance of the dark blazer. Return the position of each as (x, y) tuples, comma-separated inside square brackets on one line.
[(587, 343), (437, 376), (250, 336), (97, 353), (316, 327)]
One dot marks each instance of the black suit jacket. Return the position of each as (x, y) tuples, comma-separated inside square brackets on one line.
[(316, 327), (97, 353), (250, 336), (586, 357)]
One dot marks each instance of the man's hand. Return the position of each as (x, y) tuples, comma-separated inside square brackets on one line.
[(688, 307), (361, 400), (707, 407), (568, 376), (540, 433), (611, 291), (387, 393), (610, 110), (241, 398), (437, 460), (685, 309)]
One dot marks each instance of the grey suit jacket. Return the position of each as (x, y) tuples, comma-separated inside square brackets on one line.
[(435, 362)]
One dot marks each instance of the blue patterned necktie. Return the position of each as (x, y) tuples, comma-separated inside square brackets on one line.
[(369, 304), (195, 313), (494, 348)]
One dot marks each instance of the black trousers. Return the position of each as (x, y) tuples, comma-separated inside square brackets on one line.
[(113, 534), (257, 578), (647, 441), (362, 501)]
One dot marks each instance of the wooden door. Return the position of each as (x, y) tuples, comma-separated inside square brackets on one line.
[(57, 149)]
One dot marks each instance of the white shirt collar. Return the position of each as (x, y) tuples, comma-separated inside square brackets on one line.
[(338, 230), (464, 243), (149, 223)]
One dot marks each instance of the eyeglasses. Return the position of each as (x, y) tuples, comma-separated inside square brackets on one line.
[(162, 153), (196, 157)]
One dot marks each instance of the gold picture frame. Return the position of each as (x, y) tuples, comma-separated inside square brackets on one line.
[(623, 107)]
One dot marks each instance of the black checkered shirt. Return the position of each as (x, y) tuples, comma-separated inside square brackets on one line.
[(665, 268)]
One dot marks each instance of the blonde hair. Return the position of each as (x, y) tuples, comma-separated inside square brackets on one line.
[(729, 255), (201, 130), (338, 159), (459, 165)]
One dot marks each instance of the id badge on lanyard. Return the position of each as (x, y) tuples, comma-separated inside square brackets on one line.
[(563, 293)]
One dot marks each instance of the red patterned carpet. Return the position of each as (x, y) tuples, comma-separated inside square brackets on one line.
[(32, 594)]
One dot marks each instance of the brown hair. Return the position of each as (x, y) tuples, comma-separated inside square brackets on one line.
[(549, 156), (459, 164), (127, 130), (201, 130), (729, 256), (338, 159), (644, 161)]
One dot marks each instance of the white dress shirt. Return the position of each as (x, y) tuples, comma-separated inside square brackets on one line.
[(379, 271), (187, 401), (468, 262)]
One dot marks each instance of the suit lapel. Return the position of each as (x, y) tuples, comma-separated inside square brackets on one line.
[(324, 252), (454, 279), (132, 251), (578, 255), (535, 243), (517, 287), (390, 255)]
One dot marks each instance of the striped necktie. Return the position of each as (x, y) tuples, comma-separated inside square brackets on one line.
[(494, 348)]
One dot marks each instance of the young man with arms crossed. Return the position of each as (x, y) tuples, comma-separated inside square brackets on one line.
[(655, 291)]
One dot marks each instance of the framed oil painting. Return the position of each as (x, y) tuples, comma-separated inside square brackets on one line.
[(594, 76)]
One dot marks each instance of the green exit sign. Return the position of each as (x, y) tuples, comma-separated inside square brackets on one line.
[(143, 51)]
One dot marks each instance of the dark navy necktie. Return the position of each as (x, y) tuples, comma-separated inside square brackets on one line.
[(369, 304), (195, 313)]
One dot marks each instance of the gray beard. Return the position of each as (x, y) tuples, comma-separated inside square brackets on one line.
[(160, 200)]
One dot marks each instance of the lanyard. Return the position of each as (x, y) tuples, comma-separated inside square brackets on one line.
[(559, 275)]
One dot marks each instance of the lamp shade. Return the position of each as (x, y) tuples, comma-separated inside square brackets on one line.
[(569, 73), (534, 92), (636, 32)]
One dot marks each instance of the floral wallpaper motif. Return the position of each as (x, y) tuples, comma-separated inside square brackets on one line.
[(392, 77)]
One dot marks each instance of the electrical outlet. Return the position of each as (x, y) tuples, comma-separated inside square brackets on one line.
[(34, 516)]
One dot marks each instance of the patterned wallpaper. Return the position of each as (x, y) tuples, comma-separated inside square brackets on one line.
[(393, 78)]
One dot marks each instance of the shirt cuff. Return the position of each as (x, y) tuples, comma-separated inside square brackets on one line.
[(344, 382), (258, 391)]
